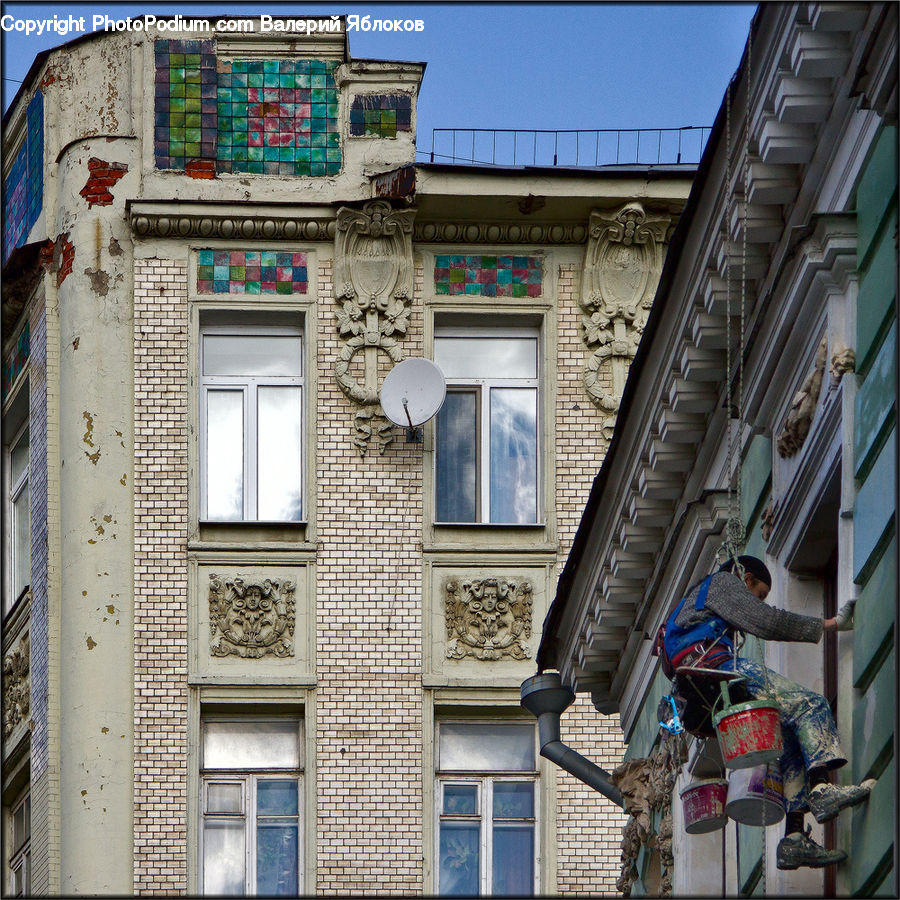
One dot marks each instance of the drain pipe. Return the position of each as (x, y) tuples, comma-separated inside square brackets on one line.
[(546, 697)]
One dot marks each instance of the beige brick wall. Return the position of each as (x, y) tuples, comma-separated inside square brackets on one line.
[(368, 643), (588, 825), (160, 577)]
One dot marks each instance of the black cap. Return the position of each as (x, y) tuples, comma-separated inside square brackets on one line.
[(756, 567)]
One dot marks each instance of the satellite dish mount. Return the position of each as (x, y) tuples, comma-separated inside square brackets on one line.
[(412, 393)]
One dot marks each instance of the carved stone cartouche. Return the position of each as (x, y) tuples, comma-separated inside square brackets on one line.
[(488, 618), (251, 616)]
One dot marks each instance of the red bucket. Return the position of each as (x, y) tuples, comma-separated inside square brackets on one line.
[(703, 805), (749, 734)]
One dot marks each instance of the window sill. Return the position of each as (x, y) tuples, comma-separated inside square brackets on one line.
[(243, 533), (478, 536)]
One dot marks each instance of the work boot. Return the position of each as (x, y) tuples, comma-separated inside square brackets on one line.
[(795, 850), (827, 800)]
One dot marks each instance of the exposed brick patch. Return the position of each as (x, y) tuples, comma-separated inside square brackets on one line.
[(63, 257), (201, 168), (103, 176)]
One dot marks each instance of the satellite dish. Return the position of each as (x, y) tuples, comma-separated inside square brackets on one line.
[(413, 392)]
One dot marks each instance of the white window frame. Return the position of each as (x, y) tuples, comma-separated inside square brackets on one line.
[(485, 782), (249, 779), (248, 385), (482, 388), (15, 490), (20, 856)]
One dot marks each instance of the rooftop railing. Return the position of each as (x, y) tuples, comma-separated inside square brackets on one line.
[(566, 147)]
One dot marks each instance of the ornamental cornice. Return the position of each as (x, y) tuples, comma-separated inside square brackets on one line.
[(231, 226), (457, 231)]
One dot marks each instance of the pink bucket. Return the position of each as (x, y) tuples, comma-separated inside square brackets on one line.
[(756, 796), (703, 805)]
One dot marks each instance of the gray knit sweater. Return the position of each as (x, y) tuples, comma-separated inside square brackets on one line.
[(729, 599)]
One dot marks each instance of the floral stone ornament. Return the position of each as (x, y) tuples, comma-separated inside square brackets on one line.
[(251, 617), (373, 281), (488, 618)]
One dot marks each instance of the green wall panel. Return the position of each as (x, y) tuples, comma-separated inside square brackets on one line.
[(876, 188), (874, 718), (756, 470), (875, 301), (646, 726), (874, 620), (873, 513), (749, 854), (875, 403), (871, 836)]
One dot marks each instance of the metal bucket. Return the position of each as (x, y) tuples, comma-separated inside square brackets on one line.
[(703, 805), (749, 734), (756, 796)]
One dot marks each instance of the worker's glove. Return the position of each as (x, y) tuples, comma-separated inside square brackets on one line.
[(844, 618)]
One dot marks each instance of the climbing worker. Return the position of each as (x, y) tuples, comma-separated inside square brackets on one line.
[(701, 633)]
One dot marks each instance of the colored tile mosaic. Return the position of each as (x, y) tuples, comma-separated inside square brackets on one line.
[(488, 276), (278, 117), (15, 361), (185, 110), (251, 272), (380, 115), (23, 189)]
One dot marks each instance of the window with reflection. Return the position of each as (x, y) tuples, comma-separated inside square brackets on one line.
[(486, 433), (251, 836), (20, 847), (251, 427), (486, 801), (17, 496)]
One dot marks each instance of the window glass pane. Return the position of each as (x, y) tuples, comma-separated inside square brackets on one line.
[(223, 857), (276, 859), (488, 747), (486, 357), (514, 455), (18, 459), (513, 799), (251, 745), (457, 441), (277, 798), (460, 865), (19, 827), (513, 860), (223, 798), (27, 866), (278, 454), (22, 546), (259, 355), (461, 799), (224, 455)]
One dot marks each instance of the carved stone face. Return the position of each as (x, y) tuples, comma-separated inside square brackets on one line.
[(252, 617)]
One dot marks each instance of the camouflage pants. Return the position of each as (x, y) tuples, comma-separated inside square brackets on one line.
[(808, 730)]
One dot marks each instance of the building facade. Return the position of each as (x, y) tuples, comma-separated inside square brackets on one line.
[(780, 284), (255, 641)]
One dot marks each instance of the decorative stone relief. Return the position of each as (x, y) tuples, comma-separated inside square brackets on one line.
[(373, 286), (803, 407), (16, 686), (622, 264), (488, 618), (842, 362), (251, 616), (647, 785), (768, 520)]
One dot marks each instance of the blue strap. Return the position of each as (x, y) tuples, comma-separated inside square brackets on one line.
[(700, 602)]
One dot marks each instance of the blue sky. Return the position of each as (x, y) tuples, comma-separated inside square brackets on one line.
[(508, 65)]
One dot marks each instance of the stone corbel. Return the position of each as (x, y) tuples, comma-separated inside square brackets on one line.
[(803, 407), (488, 618), (842, 362), (622, 264), (373, 287)]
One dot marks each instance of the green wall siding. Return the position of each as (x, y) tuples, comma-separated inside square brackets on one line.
[(873, 513), (874, 621), (875, 405), (876, 189), (872, 838), (877, 293)]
